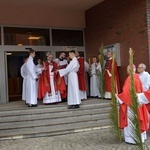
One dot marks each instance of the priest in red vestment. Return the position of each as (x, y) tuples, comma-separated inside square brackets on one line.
[(51, 85), (108, 75), (125, 112), (81, 77)]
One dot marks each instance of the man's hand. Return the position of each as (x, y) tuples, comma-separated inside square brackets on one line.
[(43, 68)]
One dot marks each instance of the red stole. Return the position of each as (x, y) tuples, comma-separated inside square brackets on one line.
[(81, 75), (44, 82), (126, 99)]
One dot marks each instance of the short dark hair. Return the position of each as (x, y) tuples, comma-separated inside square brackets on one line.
[(62, 52), (72, 51), (95, 57), (31, 51), (26, 57)]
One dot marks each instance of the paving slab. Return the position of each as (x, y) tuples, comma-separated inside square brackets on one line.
[(91, 140)]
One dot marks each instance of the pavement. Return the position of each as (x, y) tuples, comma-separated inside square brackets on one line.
[(90, 140)]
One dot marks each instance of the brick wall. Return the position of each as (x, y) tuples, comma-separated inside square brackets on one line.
[(148, 24), (119, 21)]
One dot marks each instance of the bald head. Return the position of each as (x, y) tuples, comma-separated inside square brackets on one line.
[(141, 68), (129, 67)]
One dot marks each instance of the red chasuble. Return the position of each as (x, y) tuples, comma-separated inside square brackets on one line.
[(44, 82), (81, 75), (108, 78), (125, 97)]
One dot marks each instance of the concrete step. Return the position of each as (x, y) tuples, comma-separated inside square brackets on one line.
[(52, 130), (51, 120), (49, 108), (54, 121), (55, 115)]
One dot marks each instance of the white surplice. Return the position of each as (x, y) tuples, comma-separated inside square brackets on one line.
[(73, 85), (31, 89), (94, 81), (129, 129), (145, 79), (54, 96), (23, 72)]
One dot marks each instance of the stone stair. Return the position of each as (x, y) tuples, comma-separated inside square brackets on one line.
[(24, 122)]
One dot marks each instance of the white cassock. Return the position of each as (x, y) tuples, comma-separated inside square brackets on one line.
[(31, 89), (94, 81), (145, 79), (54, 97), (86, 67), (23, 72), (129, 129), (61, 63), (73, 86)]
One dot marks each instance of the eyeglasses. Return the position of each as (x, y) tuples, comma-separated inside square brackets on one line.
[(140, 67)]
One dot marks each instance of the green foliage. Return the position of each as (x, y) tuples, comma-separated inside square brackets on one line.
[(114, 116), (101, 74), (136, 134)]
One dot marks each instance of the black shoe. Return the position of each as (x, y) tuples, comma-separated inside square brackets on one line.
[(95, 96), (108, 98), (131, 143), (47, 103), (26, 103), (31, 105), (99, 98), (75, 106), (70, 107)]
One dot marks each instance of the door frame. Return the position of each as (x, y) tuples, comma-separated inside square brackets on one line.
[(4, 98)]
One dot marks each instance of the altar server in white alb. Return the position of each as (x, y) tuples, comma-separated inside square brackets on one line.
[(94, 80), (144, 76), (31, 89), (23, 72), (73, 85)]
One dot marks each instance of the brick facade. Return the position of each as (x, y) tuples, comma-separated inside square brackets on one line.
[(119, 21)]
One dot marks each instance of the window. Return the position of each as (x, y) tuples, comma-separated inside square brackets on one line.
[(62, 37), (26, 36)]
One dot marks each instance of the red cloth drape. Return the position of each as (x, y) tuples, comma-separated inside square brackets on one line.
[(125, 97), (108, 78), (81, 75), (44, 82)]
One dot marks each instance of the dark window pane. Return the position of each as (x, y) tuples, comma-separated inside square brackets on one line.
[(67, 37), (26, 36)]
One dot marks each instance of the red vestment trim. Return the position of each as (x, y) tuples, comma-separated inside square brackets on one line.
[(125, 97), (81, 75), (108, 78)]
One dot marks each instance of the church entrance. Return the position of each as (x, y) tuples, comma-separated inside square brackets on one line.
[(14, 62)]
